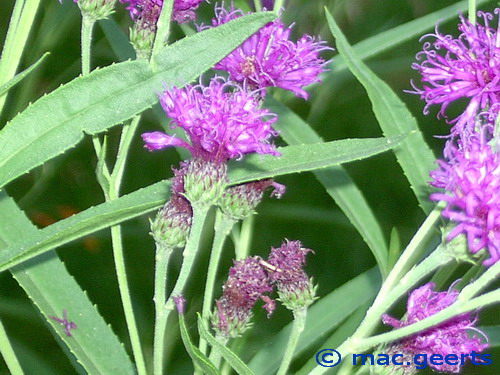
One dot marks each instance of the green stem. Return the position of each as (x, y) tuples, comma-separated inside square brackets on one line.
[(215, 355), (20, 25), (121, 274), (162, 30), (459, 307), (245, 238), (8, 353), (223, 226), (258, 5), (472, 11), (297, 328), (278, 4), (87, 27), (189, 254), (475, 287), (110, 185)]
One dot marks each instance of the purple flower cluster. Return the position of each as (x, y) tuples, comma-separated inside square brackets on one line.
[(471, 180), (147, 12), (450, 337), (222, 121), (250, 279), (269, 58), (467, 67)]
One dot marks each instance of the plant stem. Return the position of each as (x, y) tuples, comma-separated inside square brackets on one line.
[(472, 11), (223, 226), (278, 4), (189, 254), (8, 353), (297, 328), (474, 288), (161, 267), (245, 238), (258, 5), (111, 191), (20, 25), (87, 27), (215, 355), (162, 30)]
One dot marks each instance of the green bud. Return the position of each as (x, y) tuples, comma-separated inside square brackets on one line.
[(204, 182), (96, 9)]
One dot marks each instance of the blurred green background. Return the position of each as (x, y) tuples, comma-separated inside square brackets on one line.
[(337, 109)]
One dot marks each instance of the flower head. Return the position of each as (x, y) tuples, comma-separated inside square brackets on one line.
[(96, 9), (471, 180), (286, 272), (240, 201), (246, 284), (464, 67), (147, 12), (222, 121), (269, 58), (450, 337)]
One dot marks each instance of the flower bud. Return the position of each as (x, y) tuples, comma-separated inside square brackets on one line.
[(295, 289), (96, 9), (240, 201), (204, 182)]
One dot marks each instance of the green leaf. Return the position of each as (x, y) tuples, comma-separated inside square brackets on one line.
[(254, 167), (20, 76), (392, 38), (336, 182), (414, 155), (106, 97), (232, 359), (322, 317), (84, 223), (118, 41), (303, 158), (52, 290), (199, 359)]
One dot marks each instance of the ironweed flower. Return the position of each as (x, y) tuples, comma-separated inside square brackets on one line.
[(246, 284), (240, 201), (450, 337), (269, 58), (471, 180), (467, 67), (222, 121), (295, 289), (147, 12)]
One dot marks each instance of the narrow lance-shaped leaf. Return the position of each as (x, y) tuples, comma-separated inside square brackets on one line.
[(294, 159), (106, 97), (337, 183), (53, 290), (414, 155), (20, 76)]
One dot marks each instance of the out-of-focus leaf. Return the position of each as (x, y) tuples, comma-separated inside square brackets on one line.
[(20, 76), (414, 155)]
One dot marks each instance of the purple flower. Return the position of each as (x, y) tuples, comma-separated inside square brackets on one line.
[(148, 11), (471, 180), (464, 67), (223, 122), (450, 337), (246, 284), (68, 325), (287, 273), (269, 58)]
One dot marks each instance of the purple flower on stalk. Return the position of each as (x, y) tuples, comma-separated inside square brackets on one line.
[(148, 11), (246, 284), (450, 337), (222, 121), (286, 271), (464, 67), (269, 58), (471, 180)]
